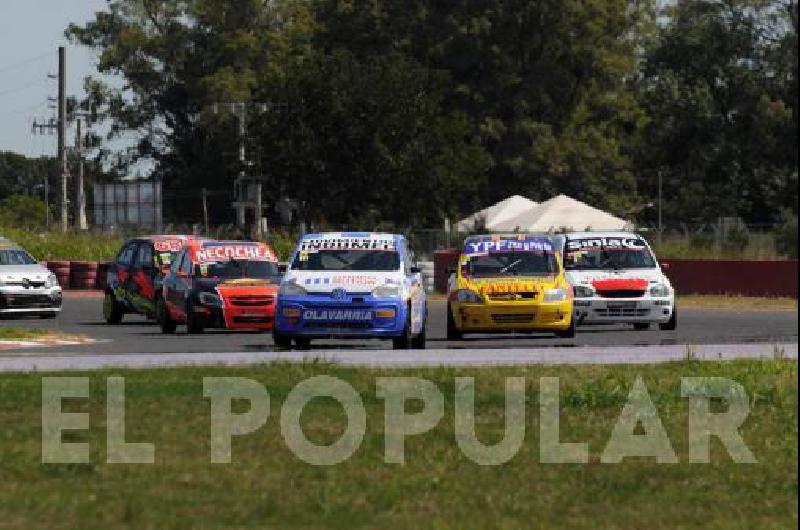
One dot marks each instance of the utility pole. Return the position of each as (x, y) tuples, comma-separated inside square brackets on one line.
[(205, 211), (660, 226), (62, 134), (80, 220)]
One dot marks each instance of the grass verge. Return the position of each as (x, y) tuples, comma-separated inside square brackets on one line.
[(737, 302), (266, 486), (23, 333)]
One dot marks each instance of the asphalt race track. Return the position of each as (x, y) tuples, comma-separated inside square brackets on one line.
[(696, 327)]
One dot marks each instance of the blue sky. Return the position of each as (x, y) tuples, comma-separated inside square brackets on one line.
[(30, 33)]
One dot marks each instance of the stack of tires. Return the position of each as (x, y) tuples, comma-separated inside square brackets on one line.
[(83, 275), (61, 269), (102, 272)]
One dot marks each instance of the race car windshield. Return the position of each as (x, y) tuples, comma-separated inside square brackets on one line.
[(235, 269), (347, 260), (16, 257), (602, 258), (511, 264)]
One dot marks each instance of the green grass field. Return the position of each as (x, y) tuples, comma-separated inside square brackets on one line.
[(268, 487)]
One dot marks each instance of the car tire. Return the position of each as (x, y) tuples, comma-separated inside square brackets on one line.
[(453, 332), (568, 333), (641, 326), (112, 310), (672, 323), (193, 324), (418, 342), (403, 342), (168, 325), (281, 341)]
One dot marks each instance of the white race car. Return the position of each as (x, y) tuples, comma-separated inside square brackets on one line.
[(26, 288), (617, 279)]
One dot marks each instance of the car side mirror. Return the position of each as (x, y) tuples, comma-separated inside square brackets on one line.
[(414, 270), (450, 271)]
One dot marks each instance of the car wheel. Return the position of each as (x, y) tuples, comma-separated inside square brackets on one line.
[(164, 320), (453, 332), (403, 342), (112, 310), (568, 333), (281, 341), (641, 326), (672, 323), (418, 342), (194, 325)]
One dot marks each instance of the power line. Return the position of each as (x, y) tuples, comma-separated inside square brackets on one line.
[(24, 62), (23, 87)]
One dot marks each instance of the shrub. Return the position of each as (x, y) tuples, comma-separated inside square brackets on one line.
[(786, 235), (22, 211)]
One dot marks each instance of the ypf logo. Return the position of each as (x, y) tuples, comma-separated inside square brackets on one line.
[(339, 294), (26, 283)]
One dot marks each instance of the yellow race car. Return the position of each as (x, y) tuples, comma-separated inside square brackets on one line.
[(509, 283)]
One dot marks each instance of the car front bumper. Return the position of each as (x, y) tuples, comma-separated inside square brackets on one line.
[(496, 317), (15, 300), (623, 310), (328, 318)]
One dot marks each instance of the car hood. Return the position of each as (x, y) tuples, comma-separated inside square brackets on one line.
[(354, 282), (18, 272), (511, 284), (236, 286), (651, 276)]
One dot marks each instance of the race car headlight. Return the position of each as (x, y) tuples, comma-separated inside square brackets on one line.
[(583, 291), (210, 300), (291, 289), (558, 294), (466, 296), (386, 291), (661, 289)]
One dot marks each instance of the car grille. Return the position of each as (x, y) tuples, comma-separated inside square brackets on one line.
[(21, 301), (337, 325), (252, 320), (621, 293), (520, 318), (512, 297), (251, 301), (623, 312)]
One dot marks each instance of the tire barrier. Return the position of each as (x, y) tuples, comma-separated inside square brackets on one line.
[(61, 269), (83, 275), (102, 272)]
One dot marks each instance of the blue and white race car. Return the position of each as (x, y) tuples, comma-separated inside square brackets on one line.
[(351, 285)]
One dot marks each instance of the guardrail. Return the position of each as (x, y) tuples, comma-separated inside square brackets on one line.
[(693, 276)]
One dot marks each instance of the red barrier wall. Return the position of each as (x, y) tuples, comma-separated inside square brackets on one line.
[(746, 278), (692, 276), (442, 260)]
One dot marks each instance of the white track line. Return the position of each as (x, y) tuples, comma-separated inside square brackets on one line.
[(408, 358)]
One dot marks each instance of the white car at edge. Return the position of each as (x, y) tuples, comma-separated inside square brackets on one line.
[(617, 279)]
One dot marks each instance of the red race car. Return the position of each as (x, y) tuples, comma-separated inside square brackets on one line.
[(220, 284)]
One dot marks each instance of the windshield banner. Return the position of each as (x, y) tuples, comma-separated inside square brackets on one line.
[(475, 246), (603, 242), (226, 252), (347, 243)]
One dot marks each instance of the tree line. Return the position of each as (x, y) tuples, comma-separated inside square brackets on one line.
[(408, 112)]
